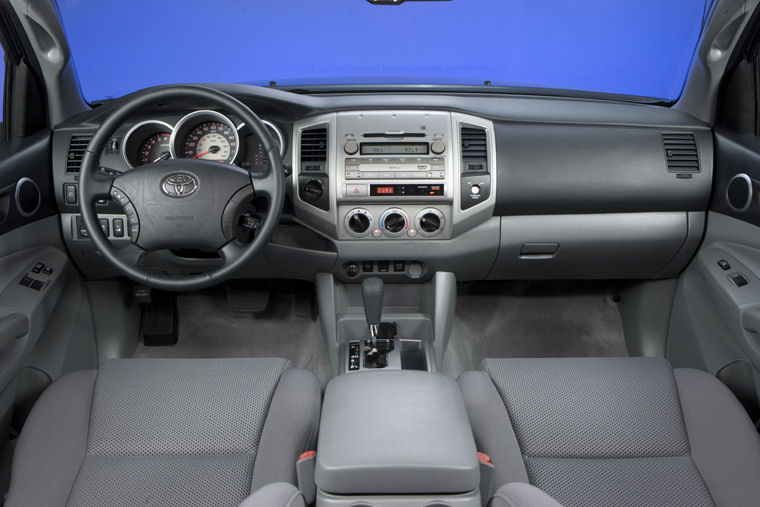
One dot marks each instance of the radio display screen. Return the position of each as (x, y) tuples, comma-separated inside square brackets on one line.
[(384, 190), (395, 148)]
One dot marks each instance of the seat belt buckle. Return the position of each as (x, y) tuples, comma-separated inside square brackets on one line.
[(305, 473), (487, 469)]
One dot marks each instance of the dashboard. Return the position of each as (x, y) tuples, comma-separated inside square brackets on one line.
[(404, 185)]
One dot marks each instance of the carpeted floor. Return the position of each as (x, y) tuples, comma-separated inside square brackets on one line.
[(533, 319), (493, 319), (208, 328)]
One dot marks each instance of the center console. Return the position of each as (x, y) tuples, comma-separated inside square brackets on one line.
[(414, 448)]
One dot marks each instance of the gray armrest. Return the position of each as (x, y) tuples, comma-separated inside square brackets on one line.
[(395, 432), (520, 494), (12, 326)]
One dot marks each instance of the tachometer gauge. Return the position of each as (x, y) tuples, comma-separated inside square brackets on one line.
[(154, 148), (147, 142), (205, 135)]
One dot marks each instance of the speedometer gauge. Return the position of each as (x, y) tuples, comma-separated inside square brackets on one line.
[(206, 135), (211, 140)]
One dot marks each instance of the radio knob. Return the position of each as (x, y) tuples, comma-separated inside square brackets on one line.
[(359, 223), (437, 147), (313, 190), (351, 147)]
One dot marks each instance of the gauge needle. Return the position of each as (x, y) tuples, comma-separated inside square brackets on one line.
[(163, 156), (212, 149)]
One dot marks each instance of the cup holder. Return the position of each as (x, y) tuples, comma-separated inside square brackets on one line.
[(413, 355)]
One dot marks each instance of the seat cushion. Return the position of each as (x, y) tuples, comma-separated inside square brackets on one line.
[(613, 431), (166, 432)]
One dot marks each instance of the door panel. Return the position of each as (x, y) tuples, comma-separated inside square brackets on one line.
[(715, 323)]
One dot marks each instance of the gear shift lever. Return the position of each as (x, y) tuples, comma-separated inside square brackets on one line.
[(372, 295)]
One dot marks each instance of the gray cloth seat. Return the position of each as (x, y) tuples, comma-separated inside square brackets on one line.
[(622, 431), (160, 432)]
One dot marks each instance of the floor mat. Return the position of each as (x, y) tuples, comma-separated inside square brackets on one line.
[(208, 328), (533, 319)]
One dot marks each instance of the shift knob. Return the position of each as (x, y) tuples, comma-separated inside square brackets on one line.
[(372, 294)]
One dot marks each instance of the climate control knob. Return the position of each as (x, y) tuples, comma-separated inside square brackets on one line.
[(358, 222), (430, 222), (394, 222)]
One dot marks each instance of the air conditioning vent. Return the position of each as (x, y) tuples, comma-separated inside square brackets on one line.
[(314, 145), (681, 152), (474, 150), (77, 147)]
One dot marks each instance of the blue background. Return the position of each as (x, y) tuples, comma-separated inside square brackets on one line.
[(631, 47)]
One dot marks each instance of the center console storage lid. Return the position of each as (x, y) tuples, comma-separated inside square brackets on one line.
[(395, 432)]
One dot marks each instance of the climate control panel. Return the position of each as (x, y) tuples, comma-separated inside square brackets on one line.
[(382, 222)]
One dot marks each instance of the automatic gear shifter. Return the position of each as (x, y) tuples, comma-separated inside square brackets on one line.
[(375, 356), (372, 295)]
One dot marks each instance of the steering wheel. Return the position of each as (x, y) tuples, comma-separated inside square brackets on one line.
[(180, 203)]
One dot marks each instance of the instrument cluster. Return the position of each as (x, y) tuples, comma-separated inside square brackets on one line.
[(204, 134)]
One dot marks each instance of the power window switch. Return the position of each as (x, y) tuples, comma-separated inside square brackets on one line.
[(37, 284), (738, 280), (724, 265), (26, 281)]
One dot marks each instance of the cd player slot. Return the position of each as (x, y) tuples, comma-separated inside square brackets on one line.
[(393, 135)]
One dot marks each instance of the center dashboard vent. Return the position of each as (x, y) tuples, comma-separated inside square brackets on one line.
[(681, 152), (314, 149), (77, 147), (474, 150)]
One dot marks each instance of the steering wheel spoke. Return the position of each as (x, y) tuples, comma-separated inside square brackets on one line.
[(232, 251), (131, 253)]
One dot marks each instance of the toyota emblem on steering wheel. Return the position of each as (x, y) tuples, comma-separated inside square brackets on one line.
[(179, 185)]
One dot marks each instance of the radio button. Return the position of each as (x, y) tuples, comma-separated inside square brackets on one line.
[(438, 147), (351, 147), (353, 175)]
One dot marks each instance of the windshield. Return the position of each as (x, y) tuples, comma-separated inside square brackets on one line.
[(636, 48)]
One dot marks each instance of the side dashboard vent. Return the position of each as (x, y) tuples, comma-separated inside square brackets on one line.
[(77, 147), (474, 149), (314, 149), (681, 152)]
